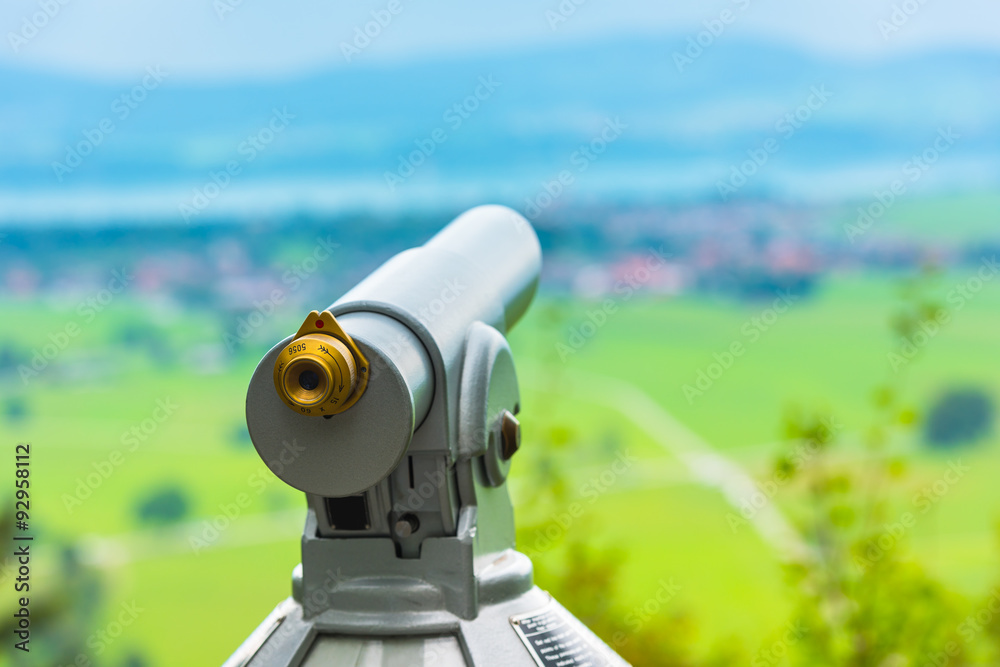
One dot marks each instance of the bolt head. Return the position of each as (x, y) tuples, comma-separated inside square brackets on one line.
[(510, 435), (406, 525)]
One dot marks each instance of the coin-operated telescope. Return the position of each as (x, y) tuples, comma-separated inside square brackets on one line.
[(394, 410)]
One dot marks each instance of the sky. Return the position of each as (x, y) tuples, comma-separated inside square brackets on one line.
[(219, 39)]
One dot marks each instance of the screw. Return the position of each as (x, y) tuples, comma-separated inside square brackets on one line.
[(407, 524)]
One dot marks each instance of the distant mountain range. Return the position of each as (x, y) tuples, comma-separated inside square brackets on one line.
[(391, 137)]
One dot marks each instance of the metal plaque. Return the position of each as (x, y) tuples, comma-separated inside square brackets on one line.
[(556, 639)]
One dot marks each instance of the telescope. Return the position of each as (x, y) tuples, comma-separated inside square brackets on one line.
[(395, 411)]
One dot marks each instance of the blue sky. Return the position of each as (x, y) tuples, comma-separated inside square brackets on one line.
[(209, 39)]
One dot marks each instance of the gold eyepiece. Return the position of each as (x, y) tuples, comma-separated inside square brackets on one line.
[(321, 372), (308, 381)]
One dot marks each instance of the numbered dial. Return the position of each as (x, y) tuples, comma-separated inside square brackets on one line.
[(321, 372)]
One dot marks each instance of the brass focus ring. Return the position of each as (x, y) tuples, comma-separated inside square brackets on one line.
[(316, 374)]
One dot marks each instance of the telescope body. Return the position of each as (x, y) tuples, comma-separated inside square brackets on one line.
[(408, 554)]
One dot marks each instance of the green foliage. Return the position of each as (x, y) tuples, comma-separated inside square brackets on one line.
[(861, 598), (586, 578), (63, 605), (586, 587)]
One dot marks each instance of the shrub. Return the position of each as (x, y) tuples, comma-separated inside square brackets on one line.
[(959, 416)]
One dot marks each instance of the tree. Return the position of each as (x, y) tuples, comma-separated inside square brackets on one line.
[(163, 506), (959, 416)]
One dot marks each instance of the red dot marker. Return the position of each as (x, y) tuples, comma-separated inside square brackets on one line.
[(319, 324)]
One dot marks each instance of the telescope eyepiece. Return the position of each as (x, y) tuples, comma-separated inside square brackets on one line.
[(318, 373), (309, 380)]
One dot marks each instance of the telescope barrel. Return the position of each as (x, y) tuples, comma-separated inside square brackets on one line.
[(505, 249), (484, 266), (406, 325)]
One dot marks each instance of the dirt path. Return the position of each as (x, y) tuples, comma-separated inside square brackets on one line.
[(703, 462)]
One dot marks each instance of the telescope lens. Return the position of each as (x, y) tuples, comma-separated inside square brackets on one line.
[(308, 380), (316, 374)]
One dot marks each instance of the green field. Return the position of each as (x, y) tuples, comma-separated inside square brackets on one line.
[(828, 351)]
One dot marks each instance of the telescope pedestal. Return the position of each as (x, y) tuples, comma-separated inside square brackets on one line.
[(355, 604)]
